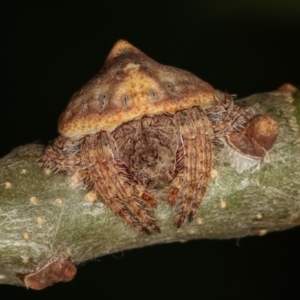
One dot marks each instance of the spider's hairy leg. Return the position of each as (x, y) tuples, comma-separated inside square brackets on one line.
[(111, 180), (226, 116), (62, 155), (194, 163)]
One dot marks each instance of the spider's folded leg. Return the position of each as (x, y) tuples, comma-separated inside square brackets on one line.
[(194, 162), (62, 155), (112, 181)]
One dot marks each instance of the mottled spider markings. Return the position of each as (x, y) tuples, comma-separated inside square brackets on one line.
[(139, 127)]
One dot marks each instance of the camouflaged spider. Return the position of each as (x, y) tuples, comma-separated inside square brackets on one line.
[(139, 126)]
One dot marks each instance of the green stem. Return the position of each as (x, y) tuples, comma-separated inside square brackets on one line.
[(43, 218)]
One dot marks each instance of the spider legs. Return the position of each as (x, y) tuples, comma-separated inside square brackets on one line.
[(62, 155), (194, 162), (112, 181)]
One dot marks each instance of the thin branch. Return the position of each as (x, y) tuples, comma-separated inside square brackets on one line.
[(48, 225)]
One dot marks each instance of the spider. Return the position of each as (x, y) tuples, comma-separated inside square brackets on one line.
[(138, 127)]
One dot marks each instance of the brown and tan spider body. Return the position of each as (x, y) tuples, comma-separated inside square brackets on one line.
[(139, 126)]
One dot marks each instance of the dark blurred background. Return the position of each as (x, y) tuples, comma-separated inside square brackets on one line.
[(51, 48)]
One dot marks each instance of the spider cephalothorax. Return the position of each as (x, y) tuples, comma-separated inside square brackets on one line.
[(139, 126)]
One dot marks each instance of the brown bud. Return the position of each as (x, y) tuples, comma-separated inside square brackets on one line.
[(54, 271), (258, 136)]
